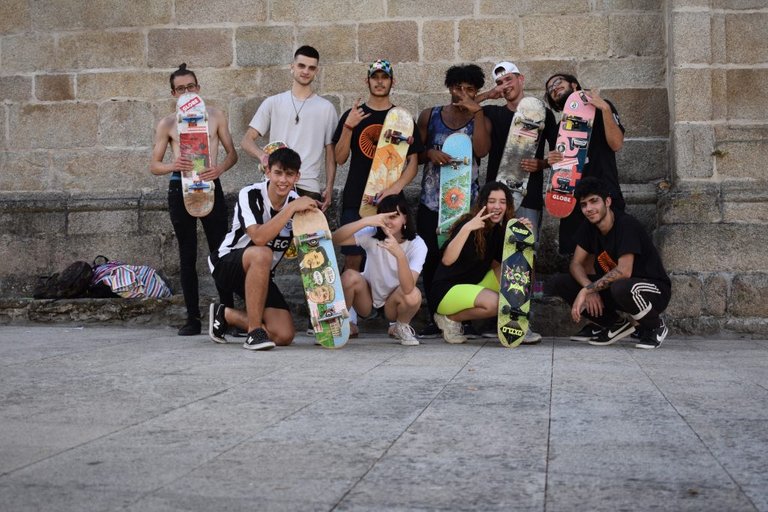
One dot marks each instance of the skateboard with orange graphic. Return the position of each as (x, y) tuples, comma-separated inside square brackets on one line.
[(573, 143), (389, 160), (192, 127), (455, 183)]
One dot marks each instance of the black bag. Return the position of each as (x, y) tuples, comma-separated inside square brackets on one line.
[(72, 282)]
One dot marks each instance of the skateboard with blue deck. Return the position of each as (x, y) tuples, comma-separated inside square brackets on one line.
[(455, 183), (321, 279), (192, 126), (516, 283)]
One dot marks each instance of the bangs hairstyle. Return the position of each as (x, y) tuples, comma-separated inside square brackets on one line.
[(482, 200), (286, 157), (392, 204), (568, 78), (182, 71), (465, 73)]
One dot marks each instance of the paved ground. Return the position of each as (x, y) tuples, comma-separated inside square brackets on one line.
[(142, 420)]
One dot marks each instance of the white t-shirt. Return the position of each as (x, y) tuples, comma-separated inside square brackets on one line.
[(381, 267), (276, 116), (254, 207)]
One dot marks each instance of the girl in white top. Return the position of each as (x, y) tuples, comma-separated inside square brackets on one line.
[(395, 256)]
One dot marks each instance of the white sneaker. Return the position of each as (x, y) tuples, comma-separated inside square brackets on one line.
[(405, 333), (451, 330), (531, 338)]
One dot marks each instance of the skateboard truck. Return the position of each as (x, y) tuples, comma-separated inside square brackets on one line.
[(456, 162), (509, 310), (396, 137), (311, 237)]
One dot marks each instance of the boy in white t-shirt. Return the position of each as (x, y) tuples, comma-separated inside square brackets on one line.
[(395, 256)]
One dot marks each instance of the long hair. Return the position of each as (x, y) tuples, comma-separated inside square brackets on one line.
[(482, 200), (392, 204)]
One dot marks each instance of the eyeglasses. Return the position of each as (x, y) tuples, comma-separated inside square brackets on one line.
[(554, 85), (186, 88)]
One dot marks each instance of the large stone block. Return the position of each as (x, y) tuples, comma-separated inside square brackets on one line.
[(641, 161), (188, 12), (749, 295), (691, 203), (423, 78), (227, 83), (55, 87), (15, 88), (489, 38), (639, 34), (348, 78), (695, 247), (692, 94), (645, 72), (102, 86), (747, 37), (397, 41), (739, 151), (746, 93), (25, 170), (16, 17), (438, 40), (126, 124), (528, 7), (412, 9), (109, 221), (690, 38), (643, 112), (632, 5), (332, 10), (100, 170), (48, 15), (264, 46), (744, 202), (587, 37), (63, 125), (29, 256), (335, 43), (686, 296), (198, 47), (28, 53), (536, 73), (34, 223), (694, 145), (715, 294), (87, 50)]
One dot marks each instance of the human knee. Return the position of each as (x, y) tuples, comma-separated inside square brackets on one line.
[(412, 299), (351, 278), (258, 256)]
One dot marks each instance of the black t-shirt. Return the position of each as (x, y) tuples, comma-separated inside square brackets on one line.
[(627, 236), (468, 268), (501, 120), (601, 159), (362, 148)]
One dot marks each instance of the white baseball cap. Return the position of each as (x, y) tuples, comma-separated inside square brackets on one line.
[(504, 68)]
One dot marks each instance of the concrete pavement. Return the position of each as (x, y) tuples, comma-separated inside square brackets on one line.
[(140, 419)]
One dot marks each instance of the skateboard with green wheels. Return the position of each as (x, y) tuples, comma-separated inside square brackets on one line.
[(455, 183), (516, 286)]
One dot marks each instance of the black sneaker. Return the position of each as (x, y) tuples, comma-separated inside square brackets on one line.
[(431, 330), (191, 328), (587, 333), (469, 332), (652, 338), (609, 335), (258, 340), (217, 325), (310, 328)]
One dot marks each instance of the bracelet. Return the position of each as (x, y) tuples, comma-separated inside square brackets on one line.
[(349, 127)]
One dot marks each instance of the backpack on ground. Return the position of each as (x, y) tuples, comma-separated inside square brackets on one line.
[(130, 281), (72, 282)]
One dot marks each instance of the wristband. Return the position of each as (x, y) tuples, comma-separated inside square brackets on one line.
[(350, 127)]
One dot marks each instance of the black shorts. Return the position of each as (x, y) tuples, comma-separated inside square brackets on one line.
[(228, 274), (349, 215)]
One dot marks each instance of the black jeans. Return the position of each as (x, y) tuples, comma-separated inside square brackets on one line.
[(185, 227)]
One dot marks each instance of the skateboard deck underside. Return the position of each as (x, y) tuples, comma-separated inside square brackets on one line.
[(321, 279), (455, 183), (515, 288), (573, 141), (389, 159), (192, 126)]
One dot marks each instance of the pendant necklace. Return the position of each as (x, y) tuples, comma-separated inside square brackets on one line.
[(296, 119)]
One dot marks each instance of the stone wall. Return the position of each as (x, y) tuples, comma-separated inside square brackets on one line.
[(83, 83)]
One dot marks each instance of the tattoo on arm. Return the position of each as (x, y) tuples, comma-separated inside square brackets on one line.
[(605, 281)]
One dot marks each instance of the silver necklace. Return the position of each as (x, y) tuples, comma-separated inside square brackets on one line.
[(297, 119)]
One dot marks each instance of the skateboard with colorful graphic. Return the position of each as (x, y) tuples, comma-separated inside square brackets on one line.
[(269, 149), (321, 279), (389, 160), (455, 183), (192, 126), (516, 284), (573, 143), (522, 142)]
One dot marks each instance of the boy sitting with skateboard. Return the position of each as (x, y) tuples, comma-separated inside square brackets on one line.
[(246, 260), (628, 275)]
